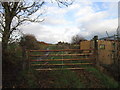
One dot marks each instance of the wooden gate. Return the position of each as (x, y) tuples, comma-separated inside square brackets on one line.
[(61, 59)]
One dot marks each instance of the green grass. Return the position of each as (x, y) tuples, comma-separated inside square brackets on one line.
[(66, 79), (107, 81)]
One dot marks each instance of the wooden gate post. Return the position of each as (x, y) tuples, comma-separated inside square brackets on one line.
[(23, 57), (96, 49), (29, 59)]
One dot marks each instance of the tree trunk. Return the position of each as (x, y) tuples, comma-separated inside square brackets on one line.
[(5, 37), (5, 40), (7, 29)]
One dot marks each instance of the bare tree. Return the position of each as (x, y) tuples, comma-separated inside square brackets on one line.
[(77, 39), (14, 14)]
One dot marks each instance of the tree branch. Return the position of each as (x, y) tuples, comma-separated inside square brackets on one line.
[(64, 2)]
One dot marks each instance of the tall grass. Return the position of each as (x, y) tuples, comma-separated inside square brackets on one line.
[(107, 81), (66, 79), (28, 78)]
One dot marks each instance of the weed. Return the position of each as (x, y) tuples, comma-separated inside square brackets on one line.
[(107, 81), (28, 79), (66, 79)]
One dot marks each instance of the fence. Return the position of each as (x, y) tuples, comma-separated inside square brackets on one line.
[(61, 59), (107, 50)]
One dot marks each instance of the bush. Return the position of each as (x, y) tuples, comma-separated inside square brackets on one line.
[(11, 65), (27, 79), (29, 42)]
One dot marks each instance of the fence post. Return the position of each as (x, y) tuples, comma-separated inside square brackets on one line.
[(23, 58), (96, 49), (28, 59)]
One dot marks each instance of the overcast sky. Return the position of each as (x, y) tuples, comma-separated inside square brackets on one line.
[(84, 18)]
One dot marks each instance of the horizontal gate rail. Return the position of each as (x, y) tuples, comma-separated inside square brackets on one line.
[(51, 69), (65, 59), (61, 50), (62, 45), (62, 64), (86, 54), (61, 55)]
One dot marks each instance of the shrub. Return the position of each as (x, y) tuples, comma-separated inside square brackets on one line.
[(11, 65), (29, 42), (27, 79)]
